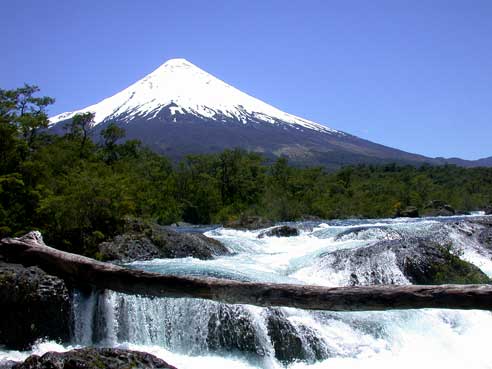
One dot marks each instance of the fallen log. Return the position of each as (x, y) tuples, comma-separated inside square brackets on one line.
[(79, 270)]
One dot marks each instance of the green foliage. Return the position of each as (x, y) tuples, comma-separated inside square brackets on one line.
[(79, 193), (456, 271)]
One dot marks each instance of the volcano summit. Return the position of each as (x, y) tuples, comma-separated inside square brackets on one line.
[(179, 109)]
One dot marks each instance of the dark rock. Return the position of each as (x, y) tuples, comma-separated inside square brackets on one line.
[(438, 208), (34, 305), (408, 212), (280, 231), (231, 328), (485, 237), (127, 248), (431, 263), (144, 242), (421, 262), (291, 343), (309, 218), (93, 358), (249, 223), (488, 210)]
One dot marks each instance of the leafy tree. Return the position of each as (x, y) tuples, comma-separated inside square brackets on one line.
[(111, 134), (80, 129)]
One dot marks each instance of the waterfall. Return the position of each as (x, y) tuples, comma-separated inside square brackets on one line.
[(192, 333)]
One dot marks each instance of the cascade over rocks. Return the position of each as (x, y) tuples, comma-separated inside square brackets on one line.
[(280, 231), (292, 343), (360, 231), (92, 358), (142, 241), (231, 328), (34, 304), (76, 268), (419, 260)]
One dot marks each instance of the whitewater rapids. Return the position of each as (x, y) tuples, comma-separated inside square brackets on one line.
[(191, 333)]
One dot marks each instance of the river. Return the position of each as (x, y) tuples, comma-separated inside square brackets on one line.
[(193, 333)]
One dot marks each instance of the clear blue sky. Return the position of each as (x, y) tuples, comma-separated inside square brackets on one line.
[(416, 74)]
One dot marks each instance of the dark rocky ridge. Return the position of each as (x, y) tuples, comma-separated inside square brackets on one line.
[(143, 241), (92, 358), (34, 305)]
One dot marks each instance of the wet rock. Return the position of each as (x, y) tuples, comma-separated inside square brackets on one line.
[(485, 238), (431, 263), (488, 210), (420, 261), (310, 218), (149, 241), (93, 358), (249, 223), (437, 208), (292, 343), (34, 305), (231, 328), (280, 231), (354, 232), (408, 212)]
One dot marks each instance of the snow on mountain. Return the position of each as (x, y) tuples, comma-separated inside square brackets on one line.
[(185, 88)]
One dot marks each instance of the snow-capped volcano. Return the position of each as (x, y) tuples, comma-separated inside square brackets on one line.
[(179, 109), (184, 88)]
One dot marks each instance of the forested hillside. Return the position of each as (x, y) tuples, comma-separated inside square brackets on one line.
[(79, 192)]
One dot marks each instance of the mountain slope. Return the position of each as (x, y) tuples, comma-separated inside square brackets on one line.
[(180, 109)]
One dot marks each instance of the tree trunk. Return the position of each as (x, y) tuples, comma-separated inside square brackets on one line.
[(80, 271)]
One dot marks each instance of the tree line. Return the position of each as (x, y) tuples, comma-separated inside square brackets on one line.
[(78, 190)]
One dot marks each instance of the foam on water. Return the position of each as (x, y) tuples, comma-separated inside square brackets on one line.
[(181, 331)]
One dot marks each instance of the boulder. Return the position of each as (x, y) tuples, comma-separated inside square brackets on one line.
[(437, 208), (34, 305), (292, 343), (88, 358), (249, 223), (149, 241), (431, 263), (309, 218), (231, 329), (408, 212), (420, 261), (280, 231), (488, 210), (485, 237)]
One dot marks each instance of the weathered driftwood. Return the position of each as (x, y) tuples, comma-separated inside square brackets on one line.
[(79, 270)]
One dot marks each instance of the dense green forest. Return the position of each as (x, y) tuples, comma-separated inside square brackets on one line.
[(78, 192)]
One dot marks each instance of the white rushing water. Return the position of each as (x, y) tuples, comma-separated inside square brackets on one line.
[(193, 333)]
